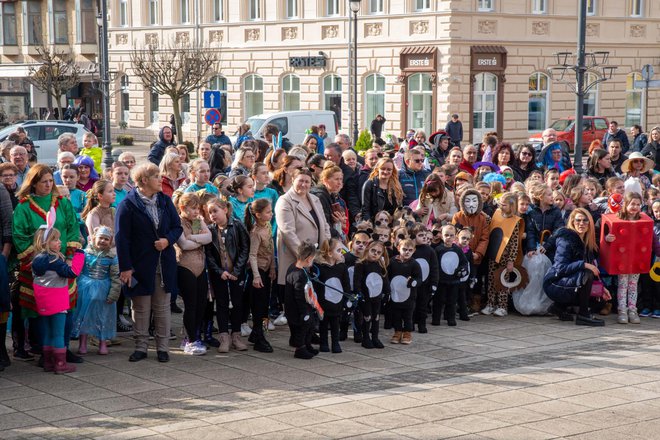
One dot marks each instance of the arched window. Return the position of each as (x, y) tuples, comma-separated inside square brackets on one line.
[(219, 83), (537, 104), (253, 86), (332, 95), (633, 100), (591, 98), (290, 93), (125, 107), (375, 97)]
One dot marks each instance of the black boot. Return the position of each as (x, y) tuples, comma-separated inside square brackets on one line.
[(366, 342), (208, 335), (334, 336), (323, 337), (261, 344), (357, 327), (343, 326), (4, 355), (374, 335)]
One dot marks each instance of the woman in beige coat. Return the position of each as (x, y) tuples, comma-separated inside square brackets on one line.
[(300, 218)]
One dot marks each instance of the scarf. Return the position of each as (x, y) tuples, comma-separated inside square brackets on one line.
[(151, 207)]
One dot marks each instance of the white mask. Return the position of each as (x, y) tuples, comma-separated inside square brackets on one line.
[(471, 204)]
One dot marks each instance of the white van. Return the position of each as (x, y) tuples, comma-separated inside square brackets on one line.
[(293, 124)]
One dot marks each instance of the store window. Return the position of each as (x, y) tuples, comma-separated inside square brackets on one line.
[(537, 106), (484, 112), (9, 24), (591, 98), (87, 27), (125, 105), (33, 22), (332, 95), (376, 6), (59, 22), (375, 97), (253, 87), (633, 100), (219, 83), (290, 93), (420, 102)]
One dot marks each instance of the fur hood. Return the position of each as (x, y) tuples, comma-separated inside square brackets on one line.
[(467, 192)]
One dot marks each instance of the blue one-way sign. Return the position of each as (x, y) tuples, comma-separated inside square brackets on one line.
[(212, 99)]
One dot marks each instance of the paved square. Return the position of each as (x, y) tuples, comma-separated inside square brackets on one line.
[(492, 378)]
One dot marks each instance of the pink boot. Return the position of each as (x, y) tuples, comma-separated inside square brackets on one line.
[(103, 347), (49, 363), (61, 366), (82, 344)]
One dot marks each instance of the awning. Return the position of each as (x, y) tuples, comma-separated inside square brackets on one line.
[(419, 50), (16, 70), (488, 49)]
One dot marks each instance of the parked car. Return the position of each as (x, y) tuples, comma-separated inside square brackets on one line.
[(595, 127), (293, 124), (44, 134)]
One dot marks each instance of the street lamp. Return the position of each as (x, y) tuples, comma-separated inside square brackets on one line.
[(577, 63), (102, 22), (355, 8)]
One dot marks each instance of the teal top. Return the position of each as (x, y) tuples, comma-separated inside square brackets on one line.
[(193, 187), (78, 200), (270, 194), (238, 208), (120, 194)]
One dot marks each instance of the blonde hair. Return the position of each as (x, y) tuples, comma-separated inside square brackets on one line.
[(394, 189), (512, 200), (323, 255), (42, 244), (590, 237), (383, 261)]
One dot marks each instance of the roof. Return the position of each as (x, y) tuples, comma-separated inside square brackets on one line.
[(417, 50), (488, 49)]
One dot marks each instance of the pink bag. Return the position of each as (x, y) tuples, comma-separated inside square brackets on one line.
[(51, 300), (597, 289)]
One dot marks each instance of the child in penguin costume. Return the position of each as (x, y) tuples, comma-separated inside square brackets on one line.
[(357, 247), (453, 268), (405, 276), (428, 263), (371, 282)]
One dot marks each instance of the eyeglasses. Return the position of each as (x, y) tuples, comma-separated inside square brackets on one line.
[(418, 160), (217, 128), (580, 220), (7, 176), (526, 153)]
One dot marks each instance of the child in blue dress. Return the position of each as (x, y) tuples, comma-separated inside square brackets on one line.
[(98, 290)]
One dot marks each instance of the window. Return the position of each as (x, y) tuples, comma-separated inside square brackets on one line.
[(253, 86), (591, 7), (591, 98), (420, 102), (375, 97), (636, 8), (155, 106), (185, 11), (537, 104), (153, 12), (291, 8), (185, 109), (539, 7), (332, 95), (332, 7), (484, 103), (254, 9), (290, 93), (219, 83), (125, 106), (422, 5), (633, 100), (485, 5), (9, 24), (59, 23), (33, 22), (123, 13), (87, 27), (218, 10), (376, 6)]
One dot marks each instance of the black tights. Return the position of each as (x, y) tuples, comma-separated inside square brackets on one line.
[(259, 299), (193, 290), (329, 323), (584, 292), (402, 318)]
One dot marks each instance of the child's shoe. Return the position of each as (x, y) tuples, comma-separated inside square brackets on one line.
[(396, 337), (606, 310), (61, 367), (406, 338), (194, 349), (225, 342), (376, 343), (263, 346), (336, 348), (623, 317), (311, 349), (421, 327), (103, 348), (366, 343), (656, 314), (49, 361), (245, 329), (280, 320), (184, 343), (488, 310), (451, 323), (633, 317), (302, 353), (645, 313), (237, 343), (82, 345), (501, 312)]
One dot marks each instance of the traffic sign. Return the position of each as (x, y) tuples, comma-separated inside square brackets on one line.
[(654, 84), (212, 99), (647, 72), (212, 116)]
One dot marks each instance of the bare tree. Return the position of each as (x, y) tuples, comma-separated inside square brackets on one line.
[(56, 75), (174, 70)]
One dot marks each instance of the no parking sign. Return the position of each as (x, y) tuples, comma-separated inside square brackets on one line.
[(212, 116)]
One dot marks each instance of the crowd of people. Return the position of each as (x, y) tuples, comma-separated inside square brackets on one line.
[(265, 233)]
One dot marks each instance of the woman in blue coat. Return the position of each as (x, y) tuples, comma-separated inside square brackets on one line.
[(569, 280), (147, 226)]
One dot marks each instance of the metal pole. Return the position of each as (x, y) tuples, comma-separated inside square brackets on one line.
[(645, 97), (105, 86), (355, 75), (198, 119), (579, 114), (351, 110)]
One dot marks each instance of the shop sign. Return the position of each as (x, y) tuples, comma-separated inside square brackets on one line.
[(487, 61), (306, 62), (419, 62)]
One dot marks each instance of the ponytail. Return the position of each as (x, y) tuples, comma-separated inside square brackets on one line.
[(257, 206)]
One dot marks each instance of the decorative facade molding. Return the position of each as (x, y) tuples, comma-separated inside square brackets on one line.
[(331, 31), (593, 29), (419, 27), (151, 39), (216, 36), (121, 39), (289, 33), (638, 30), (487, 27), (373, 29), (182, 38), (540, 28), (252, 34)]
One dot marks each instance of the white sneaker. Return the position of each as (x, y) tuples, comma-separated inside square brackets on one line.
[(194, 350), (280, 320), (268, 325), (245, 329), (184, 342), (500, 312), (488, 310)]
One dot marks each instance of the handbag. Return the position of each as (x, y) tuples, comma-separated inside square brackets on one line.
[(597, 289)]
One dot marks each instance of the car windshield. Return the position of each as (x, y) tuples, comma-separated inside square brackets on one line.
[(7, 131), (255, 124), (563, 124)]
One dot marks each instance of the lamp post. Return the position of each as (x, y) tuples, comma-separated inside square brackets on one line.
[(581, 63), (102, 21), (355, 8)]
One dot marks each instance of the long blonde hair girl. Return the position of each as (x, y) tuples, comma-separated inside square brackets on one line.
[(394, 190), (589, 238)]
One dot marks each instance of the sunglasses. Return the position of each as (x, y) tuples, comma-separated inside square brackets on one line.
[(580, 220), (401, 236), (381, 222), (525, 153), (418, 160)]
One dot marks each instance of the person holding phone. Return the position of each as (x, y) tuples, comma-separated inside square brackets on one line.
[(330, 184)]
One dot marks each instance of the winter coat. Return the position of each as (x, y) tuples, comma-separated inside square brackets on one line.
[(237, 244), (350, 192), (158, 149), (565, 276), (652, 151), (437, 207), (51, 278), (455, 131), (135, 236), (411, 183), (373, 199), (295, 225), (539, 221), (479, 222), (620, 136), (639, 143), (327, 200), (221, 139)]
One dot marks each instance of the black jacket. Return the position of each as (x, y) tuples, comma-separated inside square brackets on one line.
[(350, 192), (639, 143), (564, 277), (237, 243), (369, 281), (298, 310), (373, 199), (538, 221), (652, 151), (327, 200), (621, 136)]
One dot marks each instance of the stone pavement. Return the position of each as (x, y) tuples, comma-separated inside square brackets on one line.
[(492, 378)]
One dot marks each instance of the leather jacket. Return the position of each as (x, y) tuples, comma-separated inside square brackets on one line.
[(237, 244)]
